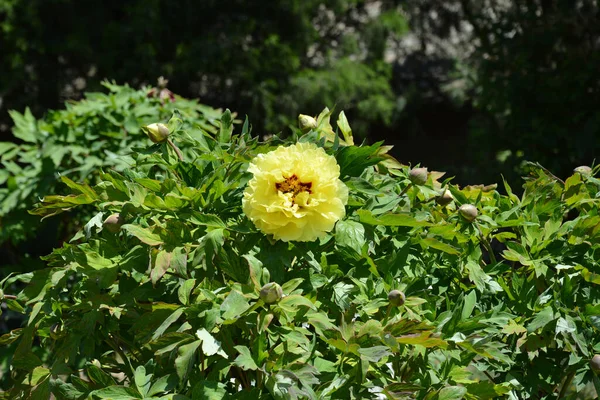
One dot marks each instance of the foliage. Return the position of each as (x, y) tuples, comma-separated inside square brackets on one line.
[(75, 144), (169, 306), (242, 54)]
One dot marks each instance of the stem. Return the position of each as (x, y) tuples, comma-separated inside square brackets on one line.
[(489, 377), (487, 246), (406, 189), (9, 296), (170, 142), (566, 384)]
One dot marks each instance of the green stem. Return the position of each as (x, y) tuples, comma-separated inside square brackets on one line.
[(406, 189), (487, 246), (177, 151), (566, 384)]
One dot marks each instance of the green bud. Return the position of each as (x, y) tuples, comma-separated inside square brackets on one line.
[(271, 293), (396, 298), (158, 133), (445, 198), (113, 223), (595, 363), (306, 123), (418, 176), (583, 170), (468, 212)]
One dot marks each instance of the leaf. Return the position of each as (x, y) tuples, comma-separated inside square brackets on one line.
[(185, 359), (142, 381), (452, 393), (423, 339), (145, 235), (162, 262), (185, 290), (513, 328), (209, 390), (408, 220), (116, 393), (25, 125), (234, 305), (244, 360), (354, 160), (81, 188), (210, 346), (375, 353), (226, 127), (167, 322), (350, 234), (344, 126), (436, 244), (541, 319)]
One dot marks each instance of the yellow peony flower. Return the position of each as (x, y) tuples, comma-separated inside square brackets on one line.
[(296, 193)]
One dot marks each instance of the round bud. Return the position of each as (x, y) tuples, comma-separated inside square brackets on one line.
[(595, 363), (158, 133), (583, 170), (418, 176), (306, 123), (271, 293), (396, 298), (468, 212), (445, 198), (113, 223)]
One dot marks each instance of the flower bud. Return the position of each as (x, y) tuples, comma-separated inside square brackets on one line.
[(583, 170), (468, 212), (418, 176), (595, 363), (306, 123), (445, 198), (271, 293), (113, 223), (396, 298), (158, 133)]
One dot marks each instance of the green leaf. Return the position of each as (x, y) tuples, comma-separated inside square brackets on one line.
[(185, 359), (185, 290), (210, 346), (375, 353), (234, 305), (244, 360), (145, 235), (167, 323), (354, 160), (350, 234), (25, 125), (81, 188), (436, 244), (142, 381), (541, 319), (209, 390), (452, 393), (344, 126), (117, 393), (408, 220), (226, 128)]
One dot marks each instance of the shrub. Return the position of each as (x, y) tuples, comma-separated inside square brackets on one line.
[(77, 143), (188, 299)]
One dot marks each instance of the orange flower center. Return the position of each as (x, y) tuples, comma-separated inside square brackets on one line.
[(294, 186)]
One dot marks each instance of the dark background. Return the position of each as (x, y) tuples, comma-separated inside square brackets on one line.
[(471, 87)]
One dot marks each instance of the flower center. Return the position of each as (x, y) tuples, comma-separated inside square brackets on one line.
[(294, 186)]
